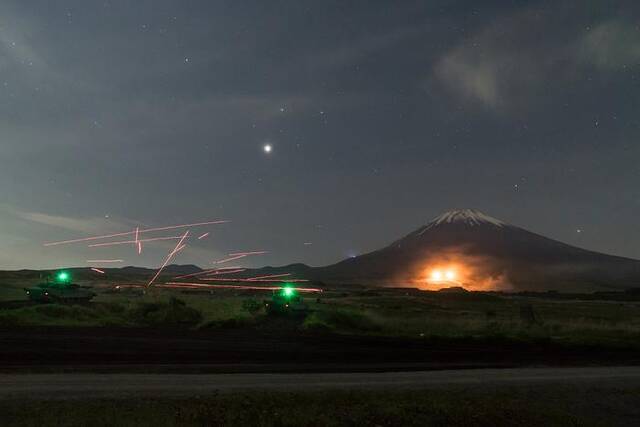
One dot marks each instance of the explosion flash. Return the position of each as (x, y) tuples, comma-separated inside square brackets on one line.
[(446, 275)]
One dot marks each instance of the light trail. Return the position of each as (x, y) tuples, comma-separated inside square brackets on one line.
[(252, 281), (86, 239), (238, 255), (248, 253), (128, 233), (233, 258), (203, 236), (97, 270), (178, 247), (138, 243), (177, 285), (200, 273), (103, 261), (270, 276), (127, 242), (217, 273), (213, 270), (128, 286), (259, 288)]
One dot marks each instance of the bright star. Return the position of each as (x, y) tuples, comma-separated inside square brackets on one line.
[(267, 148)]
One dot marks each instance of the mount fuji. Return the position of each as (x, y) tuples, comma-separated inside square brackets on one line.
[(481, 252)]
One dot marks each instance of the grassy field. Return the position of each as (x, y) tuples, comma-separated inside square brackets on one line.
[(399, 312), (486, 315), (420, 315), (453, 406)]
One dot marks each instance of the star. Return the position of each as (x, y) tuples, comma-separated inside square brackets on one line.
[(267, 148)]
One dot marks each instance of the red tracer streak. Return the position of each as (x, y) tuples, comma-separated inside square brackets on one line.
[(128, 242), (267, 288), (148, 230), (178, 247)]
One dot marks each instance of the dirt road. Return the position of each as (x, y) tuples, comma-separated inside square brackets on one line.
[(73, 386), (130, 350)]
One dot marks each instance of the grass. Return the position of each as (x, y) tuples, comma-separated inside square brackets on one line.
[(504, 405), (436, 316), (63, 315), (415, 315), (169, 312)]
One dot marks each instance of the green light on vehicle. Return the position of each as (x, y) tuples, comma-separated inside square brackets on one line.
[(288, 291), (63, 277)]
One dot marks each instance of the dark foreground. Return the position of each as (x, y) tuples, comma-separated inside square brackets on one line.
[(105, 376), (105, 349), (585, 401), (82, 386)]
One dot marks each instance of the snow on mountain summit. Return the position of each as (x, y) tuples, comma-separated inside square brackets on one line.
[(467, 216), (470, 217)]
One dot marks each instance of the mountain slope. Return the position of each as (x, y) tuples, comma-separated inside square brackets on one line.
[(484, 253)]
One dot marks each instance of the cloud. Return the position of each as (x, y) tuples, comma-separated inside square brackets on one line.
[(471, 74), (15, 46), (83, 225), (508, 64), (612, 44), (90, 225), (351, 53), (24, 231), (500, 65)]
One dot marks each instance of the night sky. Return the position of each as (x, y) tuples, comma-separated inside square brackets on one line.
[(380, 115)]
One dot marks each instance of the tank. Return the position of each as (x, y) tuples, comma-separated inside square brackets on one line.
[(286, 301), (60, 290)]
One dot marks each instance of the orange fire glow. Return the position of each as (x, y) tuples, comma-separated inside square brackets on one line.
[(442, 274), (455, 268)]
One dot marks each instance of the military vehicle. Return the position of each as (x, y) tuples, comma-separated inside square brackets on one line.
[(60, 290), (286, 301)]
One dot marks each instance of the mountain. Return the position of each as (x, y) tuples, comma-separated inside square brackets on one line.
[(470, 249), (458, 249)]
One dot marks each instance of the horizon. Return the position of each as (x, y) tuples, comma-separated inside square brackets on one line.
[(452, 215)]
